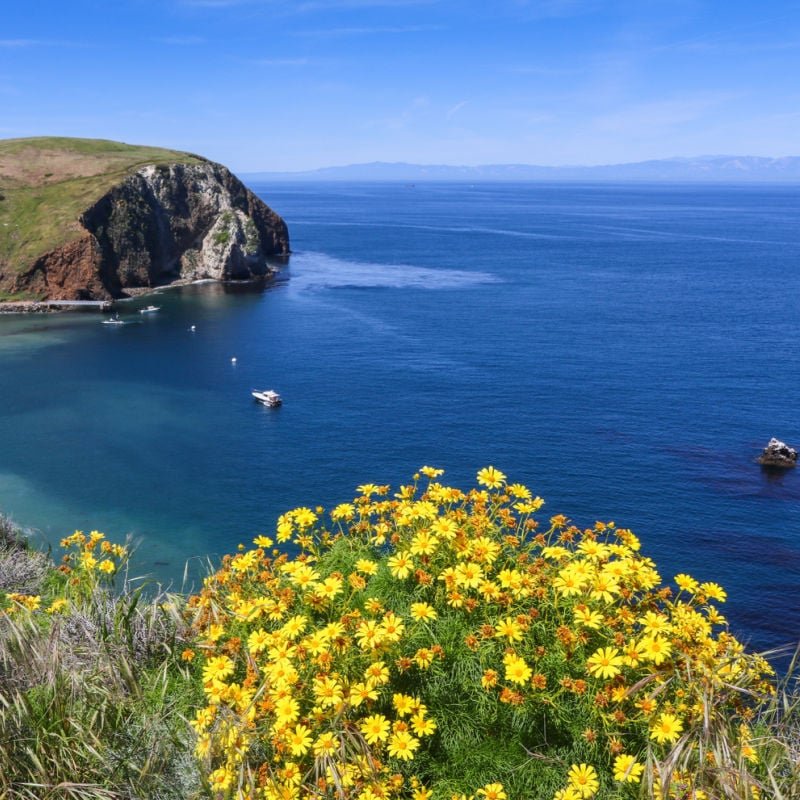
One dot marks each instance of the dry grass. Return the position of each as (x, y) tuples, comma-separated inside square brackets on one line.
[(21, 569), (93, 701)]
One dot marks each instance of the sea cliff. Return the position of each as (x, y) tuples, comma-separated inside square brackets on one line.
[(83, 223)]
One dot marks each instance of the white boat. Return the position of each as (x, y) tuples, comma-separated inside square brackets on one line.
[(149, 309), (115, 320), (267, 397)]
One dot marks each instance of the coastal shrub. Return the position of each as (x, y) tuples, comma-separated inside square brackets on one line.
[(93, 693), (435, 642)]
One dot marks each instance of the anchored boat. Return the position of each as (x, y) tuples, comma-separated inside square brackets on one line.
[(149, 309), (267, 397)]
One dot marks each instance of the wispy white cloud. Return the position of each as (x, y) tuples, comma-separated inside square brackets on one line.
[(12, 43), (369, 30), (22, 43), (310, 5), (548, 9), (180, 41), (545, 72), (333, 5), (453, 110), (280, 62), (638, 118)]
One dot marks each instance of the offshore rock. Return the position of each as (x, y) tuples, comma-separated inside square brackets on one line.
[(163, 223), (778, 454)]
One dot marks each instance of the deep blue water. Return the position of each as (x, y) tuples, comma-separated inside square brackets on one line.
[(624, 350)]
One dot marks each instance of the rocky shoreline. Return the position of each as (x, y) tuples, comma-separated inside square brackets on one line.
[(131, 293)]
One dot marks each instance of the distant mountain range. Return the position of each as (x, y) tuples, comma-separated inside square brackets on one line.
[(701, 168)]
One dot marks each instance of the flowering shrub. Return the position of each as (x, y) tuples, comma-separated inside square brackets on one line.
[(436, 642), (90, 561)]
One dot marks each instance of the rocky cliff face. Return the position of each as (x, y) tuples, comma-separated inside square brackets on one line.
[(161, 224)]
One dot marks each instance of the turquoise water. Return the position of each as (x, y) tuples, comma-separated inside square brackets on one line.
[(624, 350)]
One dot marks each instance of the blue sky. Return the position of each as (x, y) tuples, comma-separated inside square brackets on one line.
[(269, 85)]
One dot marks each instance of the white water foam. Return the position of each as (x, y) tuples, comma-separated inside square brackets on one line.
[(310, 270)]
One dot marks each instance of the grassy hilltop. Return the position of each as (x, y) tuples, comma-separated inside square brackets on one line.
[(47, 182)]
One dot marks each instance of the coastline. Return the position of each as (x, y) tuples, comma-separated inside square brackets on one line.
[(131, 293)]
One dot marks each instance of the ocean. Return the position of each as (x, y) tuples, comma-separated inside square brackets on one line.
[(624, 350)]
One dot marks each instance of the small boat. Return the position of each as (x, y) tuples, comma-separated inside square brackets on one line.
[(115, 320), (267, 397), (149, 309)]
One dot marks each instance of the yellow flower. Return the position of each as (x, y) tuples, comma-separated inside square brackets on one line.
[(299, 740), (330, 587), (304, 517), (493, 791), (107, 566), (422, 612), (489, 679), (568, 793), (604, 588), (88, 561), (328, 692), (425, 726), (686, 582), (287, 710), (220, 779), (369, 633), (258, 640), (583, 778), (57, 605), (491, 478), (375, 728), (400, 565), (431, 472), (444, 527), (391, 628), (655, 623), (667, 728), (632, 654), (361, 692), (713, 591), (423, 658), (627, 769), (421, 793), (325, 744), (217, 668), (469, 575), (655, 649), (403, 704), (588, 618), (214, 632), (343, 511), (402, 745), (568, 582), (424, 543), (509, 628), (366, 566), (605, 663), (517, 671), (377, 674), (263, 541)]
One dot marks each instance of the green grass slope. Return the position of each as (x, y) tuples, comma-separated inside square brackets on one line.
[(47, 182)]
